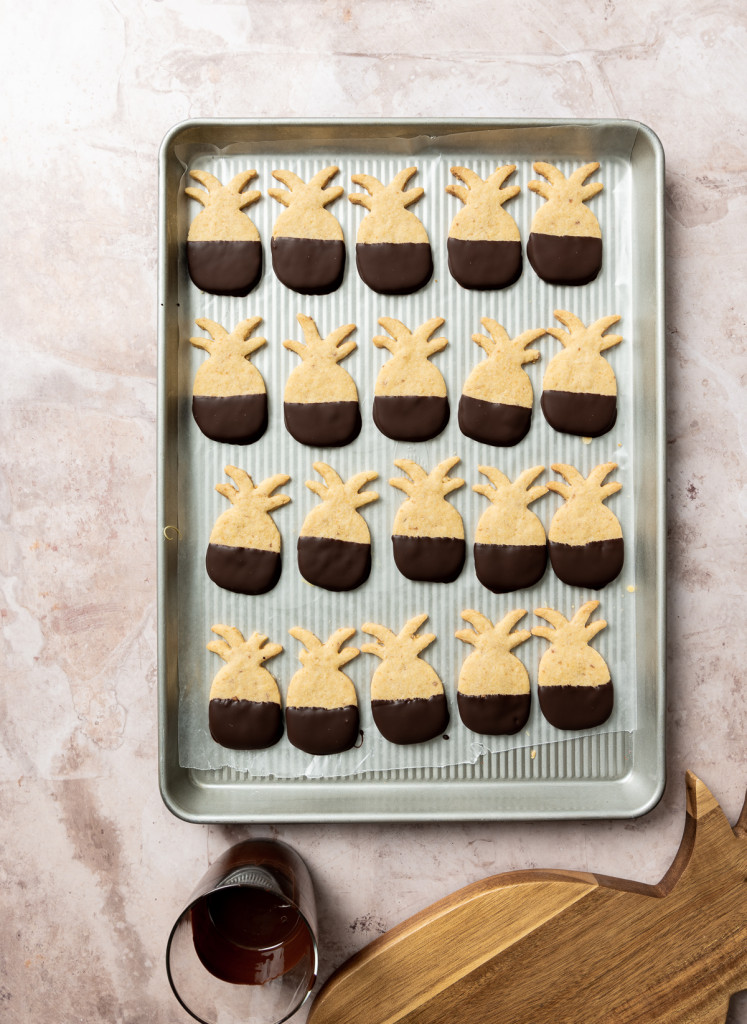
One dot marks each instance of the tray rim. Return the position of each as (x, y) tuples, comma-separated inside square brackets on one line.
[(297, 795)]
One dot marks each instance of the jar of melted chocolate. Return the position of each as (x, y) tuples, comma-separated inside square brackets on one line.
[(245, 947)]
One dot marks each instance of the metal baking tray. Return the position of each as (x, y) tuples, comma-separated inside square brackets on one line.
[(613, 772)]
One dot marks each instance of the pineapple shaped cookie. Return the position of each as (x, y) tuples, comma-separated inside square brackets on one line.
[(321, 400), (585, 539), (407, 696), (510, 544), (224, 253), (322, 707), (308, 249), (410, 400), (565, 241), (497, 398), (493, 693), (244, 550), (334, 546), (393, 251), (579, 390), (245, 712), (229, 399), (484, 244), (428, 532), (574, 685)]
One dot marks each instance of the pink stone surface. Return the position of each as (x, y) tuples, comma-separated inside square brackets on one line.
[(93, 867)]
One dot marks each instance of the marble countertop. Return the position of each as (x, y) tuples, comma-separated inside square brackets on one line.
[(94, 867)]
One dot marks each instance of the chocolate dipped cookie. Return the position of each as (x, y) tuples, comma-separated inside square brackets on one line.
[(393, 251), (224, 251), (321, 709), (410, 400), (484, 244), (565, 240), (245, 712), (244, 550), (407, 696), (510, 545), (308, 248)]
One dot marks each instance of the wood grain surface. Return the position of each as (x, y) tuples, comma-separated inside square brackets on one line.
[(563, 947)]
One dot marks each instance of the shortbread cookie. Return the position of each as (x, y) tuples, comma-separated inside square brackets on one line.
[(334, 546), (565, 242), (224, 253), (497, 398), (510, 544), (245, 712), (308, 249), (321, 400), (484, 244), (410, 401), (393, 251), (428, 532), (574, 685), (493, 693), (244, 550), (321, 712), (579, 390), (229, 399), (585, 539), (407, 696)]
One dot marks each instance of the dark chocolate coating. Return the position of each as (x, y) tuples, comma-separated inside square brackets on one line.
[(494, 714), (245, 724), (430, 559), (493, 422), (323, 424), (333, 564), (414, 720), (410, 417), (576, 707), (587, 415), (226, 267), (242, 570), (232, 419), (591, 565), (322, 730), (394, 268), (503, 568), (311, 266), (484, 264), (565, 259)]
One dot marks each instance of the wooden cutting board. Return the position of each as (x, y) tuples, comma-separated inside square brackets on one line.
[(564, 947)]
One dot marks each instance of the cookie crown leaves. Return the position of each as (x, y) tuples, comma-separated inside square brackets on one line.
[(235, 650), (483, 203), (405, 645), (577, 337), (425, 487), (559, 189), (591, 489), (404, 343), (223, 203), (340, 492), (223, 346), (575, 632), (245, 496), (306, 195), (518, 494), (330, 655), (386, 198), (498, 346), (490, 638), (331, 349)]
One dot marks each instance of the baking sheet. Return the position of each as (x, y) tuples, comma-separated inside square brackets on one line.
[(387, 597)]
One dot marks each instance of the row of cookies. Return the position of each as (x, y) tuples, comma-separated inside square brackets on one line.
[(584, 541), (393, 249), (321, 408), (408, 700)]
